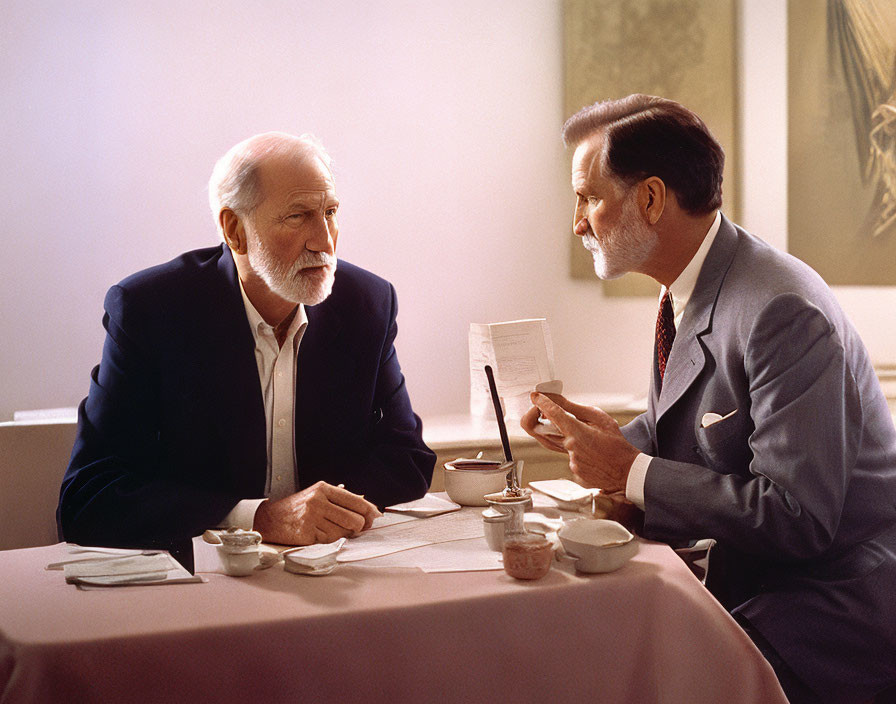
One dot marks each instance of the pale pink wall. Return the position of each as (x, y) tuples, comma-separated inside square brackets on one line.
[(443, 121)]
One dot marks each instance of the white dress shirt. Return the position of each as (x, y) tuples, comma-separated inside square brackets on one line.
[(277, 374), (681, 289)]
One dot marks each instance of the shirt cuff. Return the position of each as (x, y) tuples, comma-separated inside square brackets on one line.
[(242, 515), (637, 475)]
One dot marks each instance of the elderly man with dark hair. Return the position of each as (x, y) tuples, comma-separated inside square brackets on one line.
[(766, 427), (254, 384)]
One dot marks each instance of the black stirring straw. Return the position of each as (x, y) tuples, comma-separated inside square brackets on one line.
[(508, 457)]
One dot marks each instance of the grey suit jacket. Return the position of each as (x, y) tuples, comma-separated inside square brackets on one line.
[(799, 485)]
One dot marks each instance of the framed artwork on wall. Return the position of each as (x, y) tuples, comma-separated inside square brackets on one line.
[(842, 139), (679, 49)]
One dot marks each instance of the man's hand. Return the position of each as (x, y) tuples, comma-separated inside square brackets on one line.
[(321, 513), (599, 455)]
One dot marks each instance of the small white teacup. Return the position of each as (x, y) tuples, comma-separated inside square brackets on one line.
[(238, 551)]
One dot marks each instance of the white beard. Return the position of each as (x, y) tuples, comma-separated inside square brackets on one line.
[(287, 280), (623, 248)]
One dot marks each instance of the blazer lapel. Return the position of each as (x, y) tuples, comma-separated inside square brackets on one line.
[(324, 363), (232, 379), (687, 359)]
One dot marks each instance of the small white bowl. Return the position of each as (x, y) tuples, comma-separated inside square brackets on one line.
[(239, 560), (468, 487), (599, 544)]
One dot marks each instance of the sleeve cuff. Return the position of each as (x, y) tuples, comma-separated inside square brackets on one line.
[(637, 475), (242, 515)]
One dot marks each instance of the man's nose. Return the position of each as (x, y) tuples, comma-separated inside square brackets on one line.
[(321, 239), (580, 227)]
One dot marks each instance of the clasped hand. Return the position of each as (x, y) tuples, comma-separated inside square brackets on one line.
[(321, 513), (599, 455)]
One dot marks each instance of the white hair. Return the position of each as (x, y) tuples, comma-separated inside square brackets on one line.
[(234, 180)]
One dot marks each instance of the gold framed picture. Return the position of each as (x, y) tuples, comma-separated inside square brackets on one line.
[(842, 139), (679, 49)]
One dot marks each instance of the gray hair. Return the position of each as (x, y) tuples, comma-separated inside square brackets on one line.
[(234, 181)]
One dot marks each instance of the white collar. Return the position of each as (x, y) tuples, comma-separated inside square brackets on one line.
[(258, 324), (683, 287)]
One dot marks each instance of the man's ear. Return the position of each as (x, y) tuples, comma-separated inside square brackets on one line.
[(233, 229), (652, 198)]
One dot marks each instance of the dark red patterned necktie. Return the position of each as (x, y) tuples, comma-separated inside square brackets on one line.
[(665, 333)]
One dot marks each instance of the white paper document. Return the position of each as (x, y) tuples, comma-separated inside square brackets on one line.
[(469, 555), (414, 533), (521, 354)]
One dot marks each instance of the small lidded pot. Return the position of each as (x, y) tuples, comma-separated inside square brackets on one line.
[(527, 555), (494, 524), (238, 551)]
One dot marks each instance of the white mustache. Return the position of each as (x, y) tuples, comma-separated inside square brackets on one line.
[(308, 260), (589, 242)]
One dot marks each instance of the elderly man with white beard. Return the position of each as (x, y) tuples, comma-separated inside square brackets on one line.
[(254, 384)]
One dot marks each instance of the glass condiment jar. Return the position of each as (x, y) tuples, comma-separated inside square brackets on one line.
[(527, 555)]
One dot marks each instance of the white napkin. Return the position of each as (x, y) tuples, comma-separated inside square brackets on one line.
[(314, 552), (315, 560), (106, 567), (568, 495), (429, 505)]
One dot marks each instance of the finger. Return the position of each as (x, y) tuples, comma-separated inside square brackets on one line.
[(549, 442), (350, 511), (589, 414), (341, 496), (344, 518), (373, 514), (358, 504), (319, 506), (565, 422), (529, 421), (332, 531), (552, 442)]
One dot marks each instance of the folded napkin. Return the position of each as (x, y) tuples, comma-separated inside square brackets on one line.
[(567, 494), (316, 560), (429, 505), (111, 567)]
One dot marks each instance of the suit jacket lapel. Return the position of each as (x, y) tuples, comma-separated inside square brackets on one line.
[(324, 363), (232, 379), (687, 359)]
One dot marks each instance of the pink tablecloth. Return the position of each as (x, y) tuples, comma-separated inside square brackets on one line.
[(647, 633)]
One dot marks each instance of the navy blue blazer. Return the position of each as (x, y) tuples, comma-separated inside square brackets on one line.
[(172, 432)]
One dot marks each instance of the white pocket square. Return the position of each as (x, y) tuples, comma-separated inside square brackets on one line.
[(712, 418)]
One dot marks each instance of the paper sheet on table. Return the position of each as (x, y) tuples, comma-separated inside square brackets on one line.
[(522, 356), (414, 533), (468, 555)]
